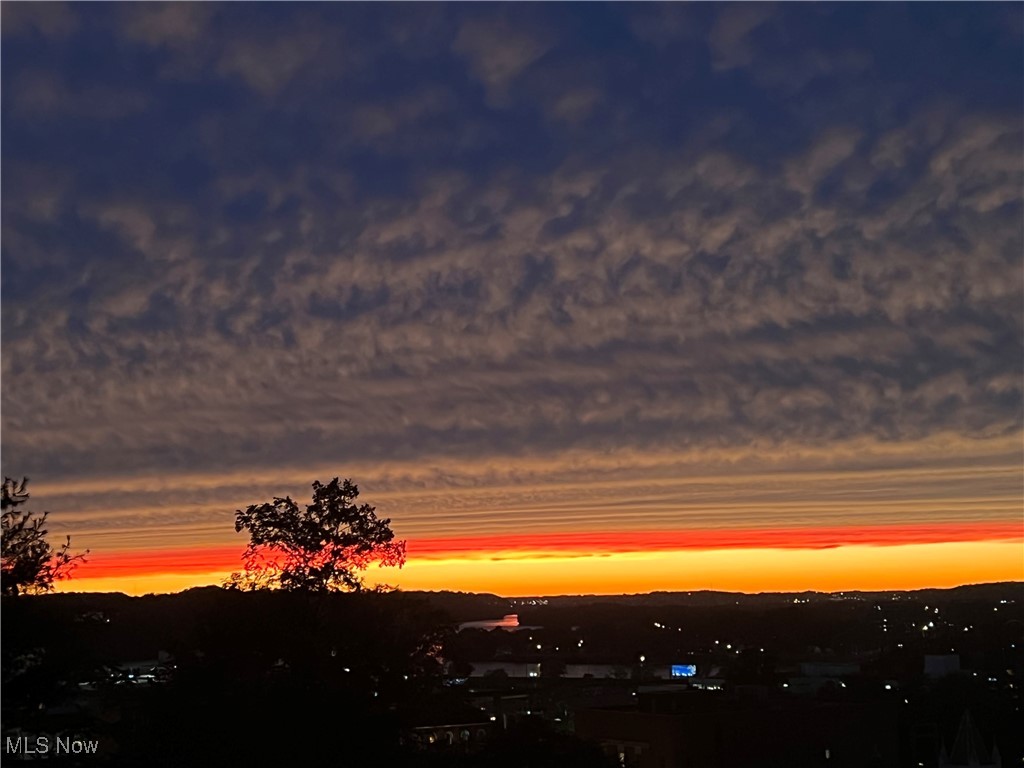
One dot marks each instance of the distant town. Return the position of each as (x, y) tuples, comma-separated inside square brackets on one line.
[(928, 678)]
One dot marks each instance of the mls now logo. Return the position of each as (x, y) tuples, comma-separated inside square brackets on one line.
[(29, 746)]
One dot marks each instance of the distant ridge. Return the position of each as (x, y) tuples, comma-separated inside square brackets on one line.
[(715, 597), (971, 590)]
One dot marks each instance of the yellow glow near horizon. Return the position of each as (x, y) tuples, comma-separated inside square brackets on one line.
[(847, 568), (156, 583)]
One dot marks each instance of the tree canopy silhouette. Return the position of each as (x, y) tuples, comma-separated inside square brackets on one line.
[(322, 547), (29, 564)]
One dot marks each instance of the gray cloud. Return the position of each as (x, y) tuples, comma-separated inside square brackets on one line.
[(469, 342), (268, 62), (42, 95), (48, 20), (167, 24), (499, 50), (730, 35)]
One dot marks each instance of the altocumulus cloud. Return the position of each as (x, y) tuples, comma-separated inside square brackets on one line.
[(436, 243)]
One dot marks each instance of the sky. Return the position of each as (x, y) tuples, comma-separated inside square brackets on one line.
[(585, 298)]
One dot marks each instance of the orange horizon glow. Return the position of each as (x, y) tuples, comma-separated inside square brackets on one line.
[(744, 560)]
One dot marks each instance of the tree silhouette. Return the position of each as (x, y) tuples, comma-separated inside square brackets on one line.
[(29, 564), (320, 548)]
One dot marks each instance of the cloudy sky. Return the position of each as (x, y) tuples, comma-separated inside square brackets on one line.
[(584, 297)]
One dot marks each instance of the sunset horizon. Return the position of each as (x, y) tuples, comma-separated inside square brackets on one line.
[(842, 530), (575, 547), (453, 577)]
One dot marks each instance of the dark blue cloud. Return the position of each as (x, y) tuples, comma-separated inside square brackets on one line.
[(465, 230)]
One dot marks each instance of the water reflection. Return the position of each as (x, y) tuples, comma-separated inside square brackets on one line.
[(508, 622)]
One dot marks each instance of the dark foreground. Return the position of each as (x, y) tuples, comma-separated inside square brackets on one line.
[(709, 680)]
